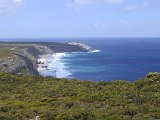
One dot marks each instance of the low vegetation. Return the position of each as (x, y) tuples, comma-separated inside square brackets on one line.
[(47, 98), (21, 57)]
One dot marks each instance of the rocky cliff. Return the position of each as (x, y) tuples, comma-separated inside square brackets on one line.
[(81, 45), (21, 58)]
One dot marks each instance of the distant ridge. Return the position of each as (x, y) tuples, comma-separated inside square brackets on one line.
[(22, 58), (90, 49)]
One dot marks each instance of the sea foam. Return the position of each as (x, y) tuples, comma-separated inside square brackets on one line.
[(96, 51), (57, 66)]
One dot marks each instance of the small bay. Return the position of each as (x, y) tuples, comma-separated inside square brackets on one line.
[(119, 59)]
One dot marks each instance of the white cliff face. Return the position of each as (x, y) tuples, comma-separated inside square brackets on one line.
[(82, 45)]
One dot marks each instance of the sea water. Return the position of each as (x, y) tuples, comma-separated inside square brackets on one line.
[(118, 59)]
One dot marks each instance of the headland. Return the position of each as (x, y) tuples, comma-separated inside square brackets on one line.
[(29, 58)]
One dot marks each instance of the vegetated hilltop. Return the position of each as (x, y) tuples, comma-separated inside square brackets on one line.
[(48, 98), (21, 58)]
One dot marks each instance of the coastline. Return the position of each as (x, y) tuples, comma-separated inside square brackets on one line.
[(54, 65), (33, 58), (43, 62), (51, 65)]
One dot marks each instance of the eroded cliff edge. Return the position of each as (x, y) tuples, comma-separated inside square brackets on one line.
[(21, 58)]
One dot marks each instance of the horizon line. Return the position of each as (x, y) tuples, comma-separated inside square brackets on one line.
[(73, 37)]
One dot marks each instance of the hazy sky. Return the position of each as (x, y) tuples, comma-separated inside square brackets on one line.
[(79, 18)]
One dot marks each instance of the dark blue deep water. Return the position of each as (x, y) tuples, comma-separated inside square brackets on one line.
[(120, 59)]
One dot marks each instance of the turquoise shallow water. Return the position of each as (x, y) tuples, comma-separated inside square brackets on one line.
[(120, 59)]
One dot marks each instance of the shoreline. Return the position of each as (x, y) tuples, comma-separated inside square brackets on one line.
[(52, 66), (31, 58), (42, 64)]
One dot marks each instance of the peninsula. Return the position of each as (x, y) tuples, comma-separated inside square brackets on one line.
[(27, 96), (22, 58)]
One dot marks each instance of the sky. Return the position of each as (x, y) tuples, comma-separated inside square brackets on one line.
[(79, 18)]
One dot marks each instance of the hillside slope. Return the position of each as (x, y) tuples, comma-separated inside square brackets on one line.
[(21, 58), (48, 98)]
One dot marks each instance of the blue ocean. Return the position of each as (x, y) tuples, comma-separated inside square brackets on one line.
[(119, 59)]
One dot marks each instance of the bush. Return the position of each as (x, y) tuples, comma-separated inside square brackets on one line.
[(60, 99)]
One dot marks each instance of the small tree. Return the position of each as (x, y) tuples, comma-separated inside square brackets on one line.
[(152, 74)]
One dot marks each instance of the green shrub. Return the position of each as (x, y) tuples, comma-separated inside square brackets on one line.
[(60, 99)]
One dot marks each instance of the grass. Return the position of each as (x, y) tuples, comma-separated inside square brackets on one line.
[(7, 49), (5, 54)]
